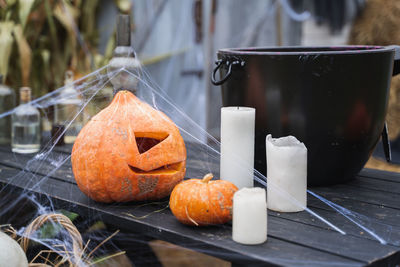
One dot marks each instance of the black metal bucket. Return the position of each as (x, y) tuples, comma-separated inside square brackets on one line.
[(334, 99)]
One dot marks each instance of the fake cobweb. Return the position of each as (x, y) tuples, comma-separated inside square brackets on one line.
[(49, 186)]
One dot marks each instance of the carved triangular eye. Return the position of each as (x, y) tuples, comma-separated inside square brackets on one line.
[(145, 141)]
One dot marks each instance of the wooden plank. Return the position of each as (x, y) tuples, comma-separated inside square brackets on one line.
[(380, 175), (388, 233), (299, 238), (380, 213), (365, 205), (344, 191), (272, 219), (164, 226), (377, 185), (65, 172), (49, 166), (329, 241)]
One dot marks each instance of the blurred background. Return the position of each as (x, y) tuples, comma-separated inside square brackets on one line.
[(177, 41)]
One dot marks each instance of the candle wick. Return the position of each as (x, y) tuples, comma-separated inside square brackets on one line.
[(238, 108)]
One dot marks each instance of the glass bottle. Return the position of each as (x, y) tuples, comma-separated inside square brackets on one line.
[(25, 132), (98, 102), (68, 110), (123, 66), (7, 103)]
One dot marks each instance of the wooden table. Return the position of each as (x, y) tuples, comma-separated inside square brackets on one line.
[(296, 239)]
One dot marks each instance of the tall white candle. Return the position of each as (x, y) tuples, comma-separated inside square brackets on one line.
[(249, 222), (237, 145), (286, 174)]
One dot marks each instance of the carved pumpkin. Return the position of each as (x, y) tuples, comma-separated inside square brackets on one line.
[(203, 202), (128, 151)]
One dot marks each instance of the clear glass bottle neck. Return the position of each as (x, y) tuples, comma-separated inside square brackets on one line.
[(25, 97), (23, 102)]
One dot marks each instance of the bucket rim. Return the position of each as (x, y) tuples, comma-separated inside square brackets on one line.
[(307, 50)]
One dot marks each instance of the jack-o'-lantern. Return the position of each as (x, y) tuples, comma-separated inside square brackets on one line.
[(128, 151)]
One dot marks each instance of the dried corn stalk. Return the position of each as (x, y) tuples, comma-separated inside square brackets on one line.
[(66, 14), (6, 42), (24, 9), (11, 2), (52, 36), (25, 54)]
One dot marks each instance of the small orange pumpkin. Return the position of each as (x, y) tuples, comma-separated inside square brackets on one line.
[(128, 151), (203, 202)]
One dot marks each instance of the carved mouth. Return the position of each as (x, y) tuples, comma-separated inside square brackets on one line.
[(166, 169)]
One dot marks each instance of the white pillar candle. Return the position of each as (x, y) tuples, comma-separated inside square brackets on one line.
[(237, 145), (249, 222), (286, 174)]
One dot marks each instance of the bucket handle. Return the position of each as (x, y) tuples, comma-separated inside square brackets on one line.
[(229, 63), (385, 136), (386, 143)]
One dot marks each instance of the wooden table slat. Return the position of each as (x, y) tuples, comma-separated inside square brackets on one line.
[(294, 239), (343, 191), (216, 239), (390, 234), (380, 175), (376, 185)]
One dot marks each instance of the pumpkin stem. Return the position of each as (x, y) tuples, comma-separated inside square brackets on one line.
[(207, 177)]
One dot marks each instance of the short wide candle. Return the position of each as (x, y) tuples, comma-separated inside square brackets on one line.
[(237, 145), (249, 222), (286, 174)]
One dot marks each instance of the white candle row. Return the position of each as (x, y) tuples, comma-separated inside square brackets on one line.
[(286, 172)]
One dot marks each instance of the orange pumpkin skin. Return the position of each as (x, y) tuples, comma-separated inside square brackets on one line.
[(109, 166), (203, 202)]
